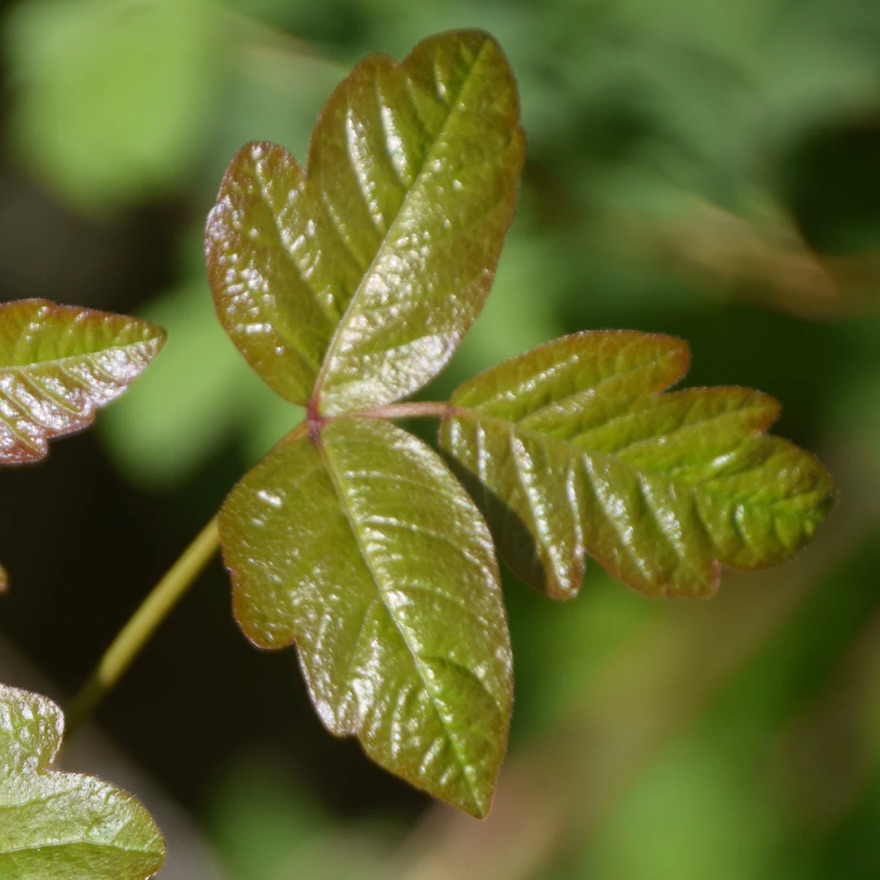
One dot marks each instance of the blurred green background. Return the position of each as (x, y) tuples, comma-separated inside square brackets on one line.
[(698, 167)]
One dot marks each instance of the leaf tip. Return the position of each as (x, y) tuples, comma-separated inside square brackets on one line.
[(481, 805)]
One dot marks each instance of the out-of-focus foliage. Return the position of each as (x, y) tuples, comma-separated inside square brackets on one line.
[(707, 169), (202, 385), (118, 95)]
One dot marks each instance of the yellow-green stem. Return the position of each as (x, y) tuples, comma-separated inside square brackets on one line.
[(143, 623)]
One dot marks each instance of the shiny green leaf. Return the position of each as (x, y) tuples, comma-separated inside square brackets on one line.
[(63, 826), (353, 282), (571, 449), (360, 547), (58, 364)]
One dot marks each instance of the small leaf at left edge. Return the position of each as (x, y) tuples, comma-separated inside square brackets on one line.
[(63, 826), (58, 364), (366, 552)]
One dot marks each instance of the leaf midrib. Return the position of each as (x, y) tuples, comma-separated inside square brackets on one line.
[(352, 306), (60, 362), (113, 848), (573, 452), (279, 231), (340, 495)]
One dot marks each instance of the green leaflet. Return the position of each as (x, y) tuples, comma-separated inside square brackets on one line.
[(351, 284), (58, 364), (347, 288), (570, 449), (63, 826), (362, 549)]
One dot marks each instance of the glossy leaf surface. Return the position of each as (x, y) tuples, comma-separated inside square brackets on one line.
[(58, 364), (572, 449), (63, 826), (354, 282), (364, 550)]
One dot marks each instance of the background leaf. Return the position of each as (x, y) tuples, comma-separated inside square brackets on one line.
[(63, 826), (366, 552), (201, 384), (101, 139), (364, 273), (570, 449), (60, 363)]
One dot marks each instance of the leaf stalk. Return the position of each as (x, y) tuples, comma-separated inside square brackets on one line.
[(413, 409), (144, 622)]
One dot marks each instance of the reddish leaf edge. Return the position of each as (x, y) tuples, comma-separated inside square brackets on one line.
[(219, 216), (23, 453), (680, 354), (307, 431)]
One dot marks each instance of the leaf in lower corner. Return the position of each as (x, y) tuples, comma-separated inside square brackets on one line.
[(572, 449), (58, 364), (364, 550), (363, 274), (56, 825)]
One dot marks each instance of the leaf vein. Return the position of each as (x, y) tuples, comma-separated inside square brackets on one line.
[(365, 555), (353, 304), (291, 260)]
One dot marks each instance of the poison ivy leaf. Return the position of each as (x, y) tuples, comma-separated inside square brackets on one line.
[(57, 365), (571, 449), (352, 284), (360, 547), (63, 826)]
